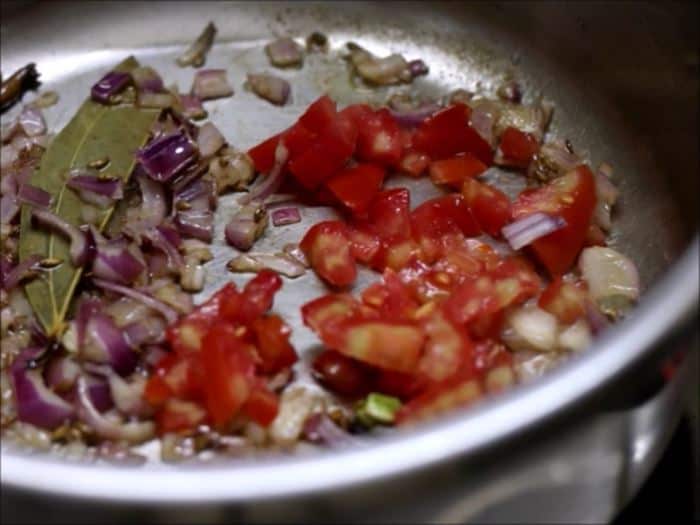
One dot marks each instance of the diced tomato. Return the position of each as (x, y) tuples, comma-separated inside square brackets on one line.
[(487, 326), (396, 253), (515, 280), (229, 370), (595, 236), (297, 139), (356, 187), (414, 163), (453, 172), (177, 415), (459, 390), (571, 197), (473, 298), (272, 343), (447, 133), (327, 247), (341, 374), (389, 214), (263, 155), (391, 298), (379, 139), (364, 243), (256, 299), (566, 301), (393, 346), (517, 147), (437, 219), (491, 207), (358, 113), (319, 115), (329, 309), (262, 405), (448, 348), (316, 164), (490, 354)]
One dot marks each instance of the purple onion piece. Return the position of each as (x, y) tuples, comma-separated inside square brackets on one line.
[(62, 373), (32, 121), (209, 140), (198, 224), (269, 87), (114, 261), (150, 330), (167, 240), (112, 188), (87, 307), (528, 229), (210, 84), (166, 311), (147, 80), (9, 208), (413, 118), (12, 277), (167, 156), (78, 239), (199, 194), (112, 83), (284, 52), (29, 194), (36, 404), (418, 68), (272, 181), (283, 216), (192, 107), (319, 428), (99, 392), (110, 341)]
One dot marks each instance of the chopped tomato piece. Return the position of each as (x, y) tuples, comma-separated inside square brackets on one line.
[(391, 298), (389, 214), (414, 163), (471, 299), (394, 346), (274, 349), (437, 219), (448, 348), (566, 301), (517, 147), (364, 243), (379, 139), (447, 133), (177, 415), (319, 115), (327, 247), (329, 309), (455, 171), (356, 187), (595, 236), (262, 405), (515, 281), (256, 299), (571, 197), (358, 113), (396, 253), (491, 207), (263, 155), (229, 370)]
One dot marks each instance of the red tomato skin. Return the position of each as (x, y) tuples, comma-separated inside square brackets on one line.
[(379, 139), (571, 197), (447, 133), (356, 187), (262, 406), (177, 415), (320, 114), (389, 214), (364, 243), (263, 154), (414, 163), (327, 247), (517, 147), (491, 207), (272, 342), (453, 172)]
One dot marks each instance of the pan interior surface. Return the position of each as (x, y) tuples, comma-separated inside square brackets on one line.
[(467, 46)]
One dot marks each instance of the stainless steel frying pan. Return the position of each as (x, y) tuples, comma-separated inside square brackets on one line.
[(573, 446)]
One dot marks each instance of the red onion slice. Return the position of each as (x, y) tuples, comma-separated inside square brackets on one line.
[(36, 404), (198, 224), (83, 180), (167, 156), (284, 216), (147, 79), (418, 68), (154, 206), (269, 87), (284, 52), (32, 121), (112, 83), (167, 240), (110, 344), (209, 140), (114, 261), (9, 208), (149, 330), (528, 229), (197, 52), (126, 396), (168, 313), (192, 107), (246, 226), (99, 393), (415, 117), (210, 84), (272, 181), (29, 194), (23, 270), (78, 240), (133, 432), (62, 373), (254, 262)]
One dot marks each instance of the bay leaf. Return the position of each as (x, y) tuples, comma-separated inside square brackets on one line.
[(95, 132)]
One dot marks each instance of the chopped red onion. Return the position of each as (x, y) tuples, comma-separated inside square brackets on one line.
[(87, 307), (128, 396), (418, 68), (36, 404), (292, 250), (132, 432), (284, 52), (154, 205), (107, 344), (283, 216), (160, 307), (596, 318), (392, 69), (29, 194), (246, 226), (8, 130), (62, 373), (115, 261), (149, 330), (147, 80), (413, 118), (112, 83), (9, 208), (272, 181), (530, 228), (200, 194), (254, 262), (32, 121), (23, 270), (167, 156), (167, 240), (196, 223), (192, 107), (8, 155), (209, 140), (99, 393), (273, 89), (319, 428), (210, 84), (196, 54), (553, 160), (78, 240), (86, 182)]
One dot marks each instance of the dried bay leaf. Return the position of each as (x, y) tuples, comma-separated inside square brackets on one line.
[(95, 132)]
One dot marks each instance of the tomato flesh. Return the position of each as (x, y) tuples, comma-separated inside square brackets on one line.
[(327, 247), (453, 172), (490, 206), (356, 187)]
